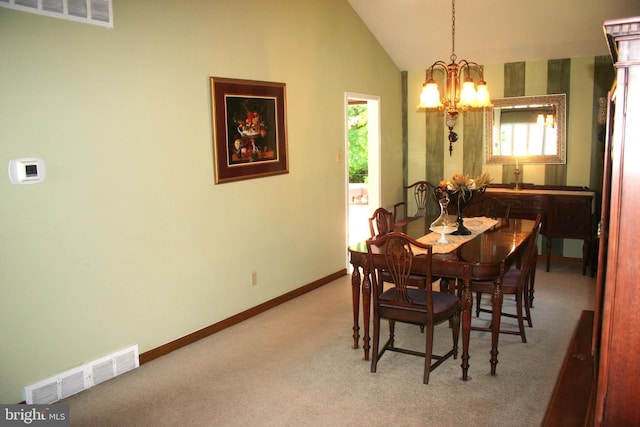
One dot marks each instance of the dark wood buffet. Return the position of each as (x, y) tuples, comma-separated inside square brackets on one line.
[(567, 211)]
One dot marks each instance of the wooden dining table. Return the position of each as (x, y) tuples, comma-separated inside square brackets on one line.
[(486, 256)]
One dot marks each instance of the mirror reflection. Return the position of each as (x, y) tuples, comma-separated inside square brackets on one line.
[(526, 129)]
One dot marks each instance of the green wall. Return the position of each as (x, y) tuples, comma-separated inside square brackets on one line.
[(129, 241)]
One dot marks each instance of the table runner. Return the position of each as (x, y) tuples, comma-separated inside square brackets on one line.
[(477, 225)]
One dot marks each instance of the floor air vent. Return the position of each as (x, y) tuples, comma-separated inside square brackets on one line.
[(82, 377)]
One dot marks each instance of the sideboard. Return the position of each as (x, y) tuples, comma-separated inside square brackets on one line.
[(567, 211)]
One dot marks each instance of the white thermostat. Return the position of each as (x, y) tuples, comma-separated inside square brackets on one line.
[(26, 171)]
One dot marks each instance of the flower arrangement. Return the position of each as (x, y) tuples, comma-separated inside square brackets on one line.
[(464, 186), (250, 129), (253, 125)]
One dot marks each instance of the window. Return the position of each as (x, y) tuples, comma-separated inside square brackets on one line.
[(527, 139)]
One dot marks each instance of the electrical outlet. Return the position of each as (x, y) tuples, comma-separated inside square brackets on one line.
[(254, 278)]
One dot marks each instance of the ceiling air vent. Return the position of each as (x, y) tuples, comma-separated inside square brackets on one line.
[(96, 12)]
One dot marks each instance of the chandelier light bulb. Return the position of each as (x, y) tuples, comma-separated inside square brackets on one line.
[(430, 96), (468, 94), (483, 97)]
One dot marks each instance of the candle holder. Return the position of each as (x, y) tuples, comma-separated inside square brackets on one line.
[(516, 172)]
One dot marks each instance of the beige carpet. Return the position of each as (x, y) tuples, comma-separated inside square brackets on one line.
[(294, 366)]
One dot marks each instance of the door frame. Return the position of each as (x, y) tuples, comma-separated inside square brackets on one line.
[(374, 158)]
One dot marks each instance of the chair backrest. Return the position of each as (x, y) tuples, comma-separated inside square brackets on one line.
[(535, 233), (381, 222), (531, 250), (393, 254), (496, 208), (419, 192)]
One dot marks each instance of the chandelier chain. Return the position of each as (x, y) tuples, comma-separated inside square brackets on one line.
[(453, 31)]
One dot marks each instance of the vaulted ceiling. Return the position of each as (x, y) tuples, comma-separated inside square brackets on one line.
[(417, 33)]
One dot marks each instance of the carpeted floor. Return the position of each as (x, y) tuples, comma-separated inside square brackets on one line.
[(294, 366)]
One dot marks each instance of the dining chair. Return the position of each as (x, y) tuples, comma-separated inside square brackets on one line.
[(516, 282), (381, 222), (496, 208), (529, 290), (393, 254), (415, 195)]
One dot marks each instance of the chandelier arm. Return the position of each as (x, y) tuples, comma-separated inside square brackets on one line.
[(471, 66), (480, 71), (438, 64), (464, 65)]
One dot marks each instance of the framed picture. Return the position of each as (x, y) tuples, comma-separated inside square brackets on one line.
[(249, 129)]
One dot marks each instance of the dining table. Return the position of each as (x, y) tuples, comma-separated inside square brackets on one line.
[(493, 247)]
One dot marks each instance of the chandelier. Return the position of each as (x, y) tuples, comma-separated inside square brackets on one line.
[(456, 97)]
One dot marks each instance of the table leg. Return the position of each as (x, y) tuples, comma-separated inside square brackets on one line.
[(355, 292), (495, 322), (466, 302), (366, 306)]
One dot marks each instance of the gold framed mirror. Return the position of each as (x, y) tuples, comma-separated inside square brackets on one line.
[(526, 129)]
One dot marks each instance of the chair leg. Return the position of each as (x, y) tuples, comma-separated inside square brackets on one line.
[(428, 352), (532, 279), (520, 319), (478, 298), (392, 332), (456, 333), (375, 356), (527, 303)]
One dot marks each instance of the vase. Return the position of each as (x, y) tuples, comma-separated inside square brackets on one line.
[(443, 225), (463, 202)]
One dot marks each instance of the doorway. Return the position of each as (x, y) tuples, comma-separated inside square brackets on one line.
[(362, 145)]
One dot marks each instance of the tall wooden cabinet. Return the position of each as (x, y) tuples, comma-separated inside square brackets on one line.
[(616, 343)]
